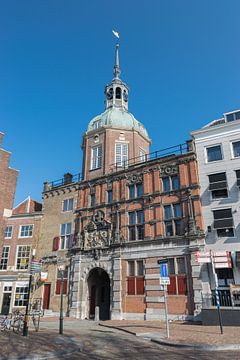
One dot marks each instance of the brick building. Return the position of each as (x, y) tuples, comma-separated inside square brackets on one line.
[(128, 210), (20, 238), (8, 182)]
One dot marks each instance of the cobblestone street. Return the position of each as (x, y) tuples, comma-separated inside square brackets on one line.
[(88, 340)]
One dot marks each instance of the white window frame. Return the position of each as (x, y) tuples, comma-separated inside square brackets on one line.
[(96, 163), (5, 232), (25, 236), (5, 257), (25, 257), (232, 151), (67, 202), (123, 161), (206, 154), (64, 238), (21, 293), (142, 155), (97, 124)]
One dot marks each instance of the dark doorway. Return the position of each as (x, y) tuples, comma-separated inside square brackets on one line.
[(6, 303), (46, 296), (99, 293)]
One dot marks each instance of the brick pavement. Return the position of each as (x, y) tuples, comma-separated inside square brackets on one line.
[(181, 332)]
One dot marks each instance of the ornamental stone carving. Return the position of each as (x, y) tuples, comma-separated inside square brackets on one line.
[(169, 169), (97, 233), (134, 178)]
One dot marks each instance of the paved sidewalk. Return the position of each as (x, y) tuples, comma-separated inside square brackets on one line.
[(181, 332)]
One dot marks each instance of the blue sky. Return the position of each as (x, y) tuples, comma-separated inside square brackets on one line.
[(180, 59)]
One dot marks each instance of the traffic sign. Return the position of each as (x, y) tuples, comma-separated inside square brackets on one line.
[(221, 259)]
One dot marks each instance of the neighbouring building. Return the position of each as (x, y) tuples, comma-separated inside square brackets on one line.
[(128, 210), (218, 152), (19, 240), (8, 182)]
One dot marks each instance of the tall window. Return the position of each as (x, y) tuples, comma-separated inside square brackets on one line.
[(173, 219), (109, 196), (96, 157), (121, 154), (21, 295), (142, 155), (135, 190), (26, 231), (4, 258), (93, 199), (61, 275), (218, 185), (8, 232), (68, 204), (135, 279), (236, 148), (65, 236), (170, 183), (23, 257), (223, 222), (214, 153), (136, 225), (178, 278)]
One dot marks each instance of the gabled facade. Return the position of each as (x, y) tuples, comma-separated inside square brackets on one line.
[(19, 241)]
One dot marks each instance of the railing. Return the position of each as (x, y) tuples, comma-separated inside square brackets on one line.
[(224, 298), (167, 152), (70, 179), (170, 151)]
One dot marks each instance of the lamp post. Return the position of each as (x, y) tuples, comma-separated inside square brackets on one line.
[(61, 268)]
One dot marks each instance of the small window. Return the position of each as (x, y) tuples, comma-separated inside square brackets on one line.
[(21, 296), (132, 191), (223, 222), (26, 231), (93, 200), (218, 185), (166, 183), (214, 153), (142, 155), (170, 183), (97, 124), (8, 232), (139, 189), (236, 149), (118, 93), (68, 205)]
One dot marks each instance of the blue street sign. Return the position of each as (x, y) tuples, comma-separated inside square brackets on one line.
[(164, 269)]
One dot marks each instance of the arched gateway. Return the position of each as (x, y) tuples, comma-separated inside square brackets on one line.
[(99, 293)]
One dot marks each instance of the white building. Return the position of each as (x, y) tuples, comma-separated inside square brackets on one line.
[(218, 152)]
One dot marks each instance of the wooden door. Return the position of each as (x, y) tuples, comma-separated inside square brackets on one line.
[(46, 296)]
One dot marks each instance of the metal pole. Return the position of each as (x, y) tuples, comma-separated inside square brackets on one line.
[(166, 310), (216, 293), (25, 323), (61, 306)]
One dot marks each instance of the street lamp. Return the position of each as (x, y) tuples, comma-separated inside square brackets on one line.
[(61, 268)]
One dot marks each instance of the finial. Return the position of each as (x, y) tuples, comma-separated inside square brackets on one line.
[(116, 66)]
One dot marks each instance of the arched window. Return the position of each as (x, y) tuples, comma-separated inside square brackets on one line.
[(118, 93)]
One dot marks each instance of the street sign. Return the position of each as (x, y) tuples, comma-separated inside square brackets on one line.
[(164, 281), (221, 259)]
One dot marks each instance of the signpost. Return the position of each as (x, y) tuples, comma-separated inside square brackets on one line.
[(164, 280), (219, 260)]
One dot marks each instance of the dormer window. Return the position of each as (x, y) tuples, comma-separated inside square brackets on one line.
[(97, 124), (118, 93), (232, 116)]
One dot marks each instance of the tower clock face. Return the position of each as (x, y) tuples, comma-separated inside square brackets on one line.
[(110, 94)]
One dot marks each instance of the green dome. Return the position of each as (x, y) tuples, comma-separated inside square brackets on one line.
[(119, 119)]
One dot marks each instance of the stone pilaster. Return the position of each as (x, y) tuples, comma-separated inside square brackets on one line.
[(116, 311)]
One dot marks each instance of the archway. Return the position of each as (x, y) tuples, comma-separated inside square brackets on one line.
[(99, 293)]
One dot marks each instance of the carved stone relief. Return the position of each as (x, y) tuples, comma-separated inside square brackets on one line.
[(169, 169)]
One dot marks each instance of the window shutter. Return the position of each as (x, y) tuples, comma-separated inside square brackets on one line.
[(56, 241), (182, 285), (58, 286), (140, 285), (65, 283), (131, 286), (172, 287)]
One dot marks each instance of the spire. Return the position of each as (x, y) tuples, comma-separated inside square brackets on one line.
[(117, 71)]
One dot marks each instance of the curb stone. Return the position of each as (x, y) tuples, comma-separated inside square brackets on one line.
[(47, 355), (181, 345)]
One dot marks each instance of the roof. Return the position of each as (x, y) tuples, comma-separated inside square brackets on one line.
[(118, 118), (27, 206)]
